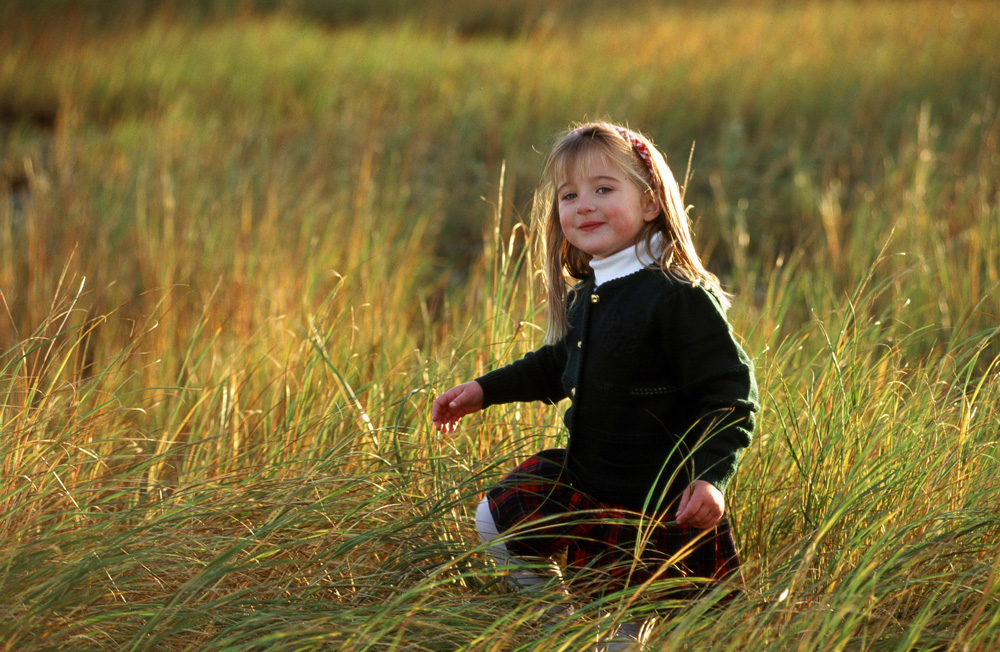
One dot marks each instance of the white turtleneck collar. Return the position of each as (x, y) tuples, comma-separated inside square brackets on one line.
[(625, 262)]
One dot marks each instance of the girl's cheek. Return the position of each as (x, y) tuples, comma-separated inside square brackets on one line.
[(563, 224)]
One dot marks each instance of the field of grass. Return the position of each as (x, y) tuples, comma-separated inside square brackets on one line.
[(243, 244)]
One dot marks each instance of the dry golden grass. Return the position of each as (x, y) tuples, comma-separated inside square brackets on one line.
[(240, 252)]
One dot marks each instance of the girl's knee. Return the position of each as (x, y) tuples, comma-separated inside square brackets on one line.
[(485, 525)]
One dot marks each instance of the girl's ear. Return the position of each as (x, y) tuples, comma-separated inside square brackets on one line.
[(650, 207)]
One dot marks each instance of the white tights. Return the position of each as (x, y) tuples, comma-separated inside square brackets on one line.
[(528, 576), (523, 575)]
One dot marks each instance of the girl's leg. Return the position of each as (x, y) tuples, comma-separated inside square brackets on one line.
[(522, 574), (528, 503)]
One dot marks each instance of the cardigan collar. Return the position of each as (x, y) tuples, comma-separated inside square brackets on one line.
[(627, 261)]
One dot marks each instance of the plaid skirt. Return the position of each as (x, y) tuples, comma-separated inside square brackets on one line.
[(607, 546)]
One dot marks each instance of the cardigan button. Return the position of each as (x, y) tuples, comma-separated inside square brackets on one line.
[(595, 299), (572, 392), (579, 344)]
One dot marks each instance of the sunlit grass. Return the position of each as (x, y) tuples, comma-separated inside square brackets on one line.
[(239, 255)]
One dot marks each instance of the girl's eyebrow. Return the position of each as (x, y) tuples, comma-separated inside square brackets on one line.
[(602, 177)]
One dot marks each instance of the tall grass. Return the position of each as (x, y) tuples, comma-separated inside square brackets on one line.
[(235, 271)]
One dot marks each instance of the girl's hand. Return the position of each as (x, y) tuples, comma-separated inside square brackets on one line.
[(456, 403), (701, 506)]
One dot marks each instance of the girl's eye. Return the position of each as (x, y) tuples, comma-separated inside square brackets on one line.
[(603, 190), (568, 196)]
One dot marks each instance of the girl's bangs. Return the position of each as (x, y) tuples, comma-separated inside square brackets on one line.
[(577, 156), (576, 152)]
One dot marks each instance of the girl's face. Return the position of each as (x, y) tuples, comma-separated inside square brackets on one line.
[(601, 210)]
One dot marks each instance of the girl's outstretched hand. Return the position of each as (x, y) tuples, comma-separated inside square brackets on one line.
[(701, 506), (456, 403)]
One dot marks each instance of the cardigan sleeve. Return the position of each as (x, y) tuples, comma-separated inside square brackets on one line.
[(535, 377), (718, 376)]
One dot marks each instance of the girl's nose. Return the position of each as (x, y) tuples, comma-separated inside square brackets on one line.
[(584, 204)]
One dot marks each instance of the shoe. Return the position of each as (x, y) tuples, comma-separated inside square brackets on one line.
[(627, 636)]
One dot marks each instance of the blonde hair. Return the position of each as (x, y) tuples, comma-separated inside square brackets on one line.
[(645, 166)]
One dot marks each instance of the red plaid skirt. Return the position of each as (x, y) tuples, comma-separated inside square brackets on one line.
[(607, 546)]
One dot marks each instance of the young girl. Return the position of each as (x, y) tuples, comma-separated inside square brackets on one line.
[(662, 398)]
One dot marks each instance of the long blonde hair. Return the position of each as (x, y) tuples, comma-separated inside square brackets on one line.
[(645, 166)]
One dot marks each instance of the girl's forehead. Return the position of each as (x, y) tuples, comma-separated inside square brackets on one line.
[(584, 164)]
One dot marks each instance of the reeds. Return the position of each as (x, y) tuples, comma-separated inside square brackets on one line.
[(235, 272)]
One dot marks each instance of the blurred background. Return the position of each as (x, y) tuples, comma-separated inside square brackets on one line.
[(244, 242)]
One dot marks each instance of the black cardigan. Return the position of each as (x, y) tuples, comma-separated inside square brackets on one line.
[(661, 392)]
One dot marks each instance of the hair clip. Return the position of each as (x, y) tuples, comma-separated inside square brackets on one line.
[(640, 147)]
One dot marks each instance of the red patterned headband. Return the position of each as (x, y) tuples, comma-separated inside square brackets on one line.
[(633, 140)]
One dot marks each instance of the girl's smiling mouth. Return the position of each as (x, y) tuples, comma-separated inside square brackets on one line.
[(589, 226)]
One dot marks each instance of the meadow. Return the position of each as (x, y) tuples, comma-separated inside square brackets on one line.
[(244, 244)]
